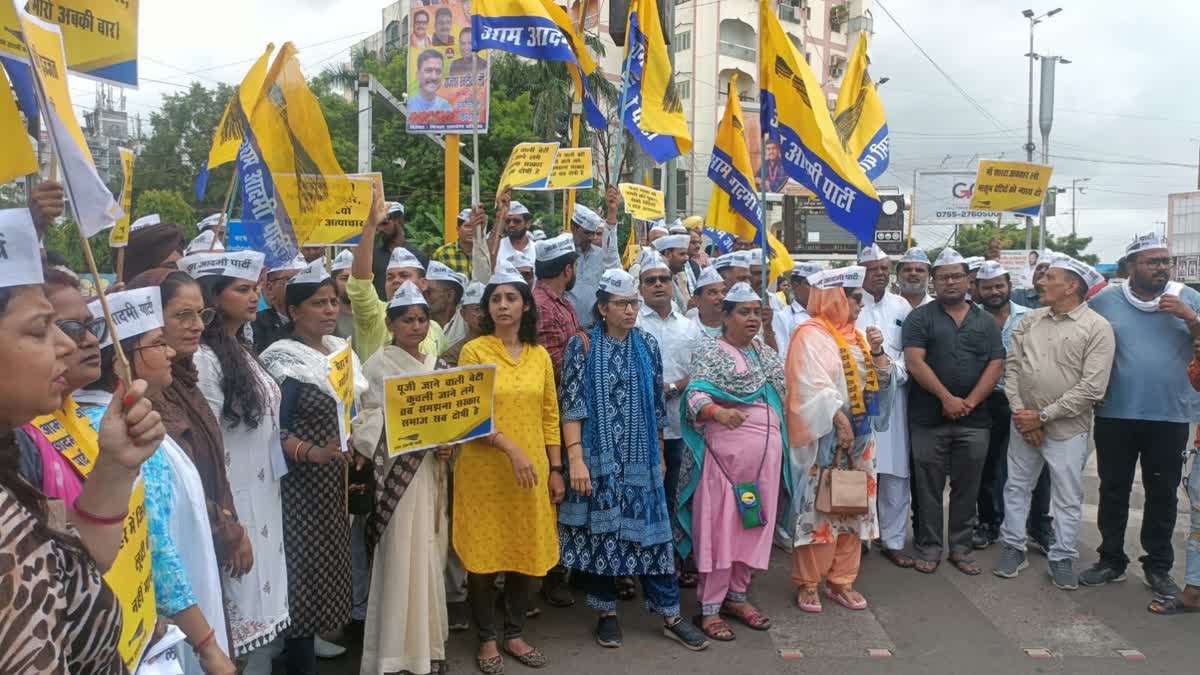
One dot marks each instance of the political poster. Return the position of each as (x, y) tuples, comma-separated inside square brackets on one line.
[(438, 408), (1019, 264), (343, 223), (572, 169), (641, 202), (441, 96), (945, 197), (101, 36), (529, 166), (1011, 187), (119, 237), (341, 380)]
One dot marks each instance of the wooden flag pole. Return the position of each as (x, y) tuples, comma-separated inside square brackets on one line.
[(119, 264), (123, 370), (225, 209)]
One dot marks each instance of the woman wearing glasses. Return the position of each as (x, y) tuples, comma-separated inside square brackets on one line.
[(187, 583), (187, 417), (614, 520), (245, 401)]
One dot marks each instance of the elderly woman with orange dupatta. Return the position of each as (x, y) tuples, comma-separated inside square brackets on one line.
[(838, 395)]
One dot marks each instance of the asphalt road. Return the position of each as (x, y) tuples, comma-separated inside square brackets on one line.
[(943, 623)]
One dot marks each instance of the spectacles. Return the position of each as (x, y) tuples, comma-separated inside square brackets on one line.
[(156, 345), (1156, 262), (625, 304), (656, 280), (951, 278), (189, 318), (76, 330)]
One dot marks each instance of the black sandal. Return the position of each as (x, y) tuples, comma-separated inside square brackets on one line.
[(898, 558), (1170, 606)]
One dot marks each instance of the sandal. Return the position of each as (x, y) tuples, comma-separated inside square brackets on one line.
[(841, 596), (898, 558), (492, 665), (1170, 606), (967, 566), (926, 566), (810, 607), (626, 589), (752, 619), (534, 658), (715, 630)]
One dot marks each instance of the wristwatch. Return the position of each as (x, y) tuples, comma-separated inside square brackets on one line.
[(556, 469), (1043, 417), (672, 390)]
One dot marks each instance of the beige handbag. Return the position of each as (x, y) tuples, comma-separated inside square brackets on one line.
[(842, 492)]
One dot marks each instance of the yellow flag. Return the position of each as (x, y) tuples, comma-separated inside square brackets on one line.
[(734, 206), (18, 158), (653, 112), (293, 138), (232, 127), (859, 118), (119, 237)]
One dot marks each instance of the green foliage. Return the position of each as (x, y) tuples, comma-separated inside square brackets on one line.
[(181, 134), (170, 205), (974, 241)]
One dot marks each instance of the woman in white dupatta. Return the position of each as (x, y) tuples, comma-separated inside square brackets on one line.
[(406, 628)]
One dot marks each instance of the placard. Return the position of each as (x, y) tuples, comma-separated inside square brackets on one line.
[(438, 408), (1011, 187), (341, 379), (572, 169), (101, 36), (344, 223), (528, 166), (119, 237), (641, 202), (441, 98)]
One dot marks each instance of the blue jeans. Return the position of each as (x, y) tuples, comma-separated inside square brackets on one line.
[(660, 590), (1192, 576)]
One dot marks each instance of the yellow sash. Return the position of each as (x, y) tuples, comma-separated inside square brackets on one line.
[(858, 404), (130, 577)]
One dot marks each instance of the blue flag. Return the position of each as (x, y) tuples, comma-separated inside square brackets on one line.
[(265, 226), (722, 240)]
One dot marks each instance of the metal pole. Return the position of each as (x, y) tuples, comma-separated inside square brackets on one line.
[(1042, 211), (616, 169), (1074, 211), (669, 192), (1029, 131), (364, 124), (478, 108), (1045, 122), (912, 209), (762, 207)]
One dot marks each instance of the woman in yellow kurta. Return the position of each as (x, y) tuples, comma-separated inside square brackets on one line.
[(504, 518)]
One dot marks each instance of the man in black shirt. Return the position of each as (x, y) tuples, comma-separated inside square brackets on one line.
[(955, 356)]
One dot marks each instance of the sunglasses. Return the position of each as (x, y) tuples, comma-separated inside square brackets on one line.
[(76, 330), (656, 280)]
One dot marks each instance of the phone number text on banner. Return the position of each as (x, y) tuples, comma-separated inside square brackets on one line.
[(438, 408)]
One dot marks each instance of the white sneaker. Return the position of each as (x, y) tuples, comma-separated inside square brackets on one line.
[(327, 650)]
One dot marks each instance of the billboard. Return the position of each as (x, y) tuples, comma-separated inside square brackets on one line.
[(100, 36), (441, 96), (945, 197)]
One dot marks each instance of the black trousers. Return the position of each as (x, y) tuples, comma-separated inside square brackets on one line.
[(954, 452), (995, 475), (1120, 446)]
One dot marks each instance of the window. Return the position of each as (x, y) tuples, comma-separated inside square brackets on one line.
[(684, 89), (683, 40)]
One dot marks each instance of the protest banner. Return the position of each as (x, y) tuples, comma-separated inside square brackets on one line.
[(70, 434), (101, 35), (1019, 264), (341, 379), (345, 222), (641, 202), (1011, 187), (439, 408), (441, 98), (528, 166), (572, 169), (119, 237)]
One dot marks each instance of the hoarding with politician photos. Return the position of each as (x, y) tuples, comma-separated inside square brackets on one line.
[(441, 98)]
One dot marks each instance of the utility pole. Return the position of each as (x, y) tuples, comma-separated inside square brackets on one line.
[(1074, 211), (1029, 146), (670, 191)]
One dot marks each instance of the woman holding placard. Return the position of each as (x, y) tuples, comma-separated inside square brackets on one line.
[(407, 627), (62, 617), (316, 524), (245, 401), (502, 480), (187, 582)]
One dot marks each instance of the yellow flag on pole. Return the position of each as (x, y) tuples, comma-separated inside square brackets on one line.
[(859, 118), (18, 158), (232, 127)]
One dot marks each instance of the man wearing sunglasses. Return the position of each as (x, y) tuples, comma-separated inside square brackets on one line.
[(1144, 418), (514, 232), (953, 353)]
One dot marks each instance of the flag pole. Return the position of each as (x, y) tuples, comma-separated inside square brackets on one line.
[(475, 124), (576, 119), (620, 125), (225, 208)]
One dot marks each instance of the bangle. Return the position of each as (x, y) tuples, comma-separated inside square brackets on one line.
[(309, 450), (212, 632), (878, 353), (571, 445), (556, 469), (99, 520)]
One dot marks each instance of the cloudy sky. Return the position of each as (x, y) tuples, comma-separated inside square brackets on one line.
[(1126, 103)]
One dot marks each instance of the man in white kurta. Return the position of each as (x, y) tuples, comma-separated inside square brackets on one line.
[(912, 277), (779, 322), (887, 311), (797, 312)]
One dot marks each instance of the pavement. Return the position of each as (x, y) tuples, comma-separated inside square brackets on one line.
[(929, 624)]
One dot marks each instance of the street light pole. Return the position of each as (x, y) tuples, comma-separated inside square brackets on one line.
[(1075, 211), (1029, 146)]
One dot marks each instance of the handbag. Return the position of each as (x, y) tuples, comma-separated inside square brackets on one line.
[(842, 492)]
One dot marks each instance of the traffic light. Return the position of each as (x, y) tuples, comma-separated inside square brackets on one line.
[(618, 14)]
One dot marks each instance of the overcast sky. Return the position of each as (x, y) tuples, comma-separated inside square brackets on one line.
[(1128, 96)]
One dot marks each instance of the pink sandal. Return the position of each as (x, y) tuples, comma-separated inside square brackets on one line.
[(812, 607), (840, 597)]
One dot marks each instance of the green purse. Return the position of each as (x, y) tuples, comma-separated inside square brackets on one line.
[(746, 494)]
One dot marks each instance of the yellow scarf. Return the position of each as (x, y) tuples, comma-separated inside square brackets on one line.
[(858, 404), (69, 433)]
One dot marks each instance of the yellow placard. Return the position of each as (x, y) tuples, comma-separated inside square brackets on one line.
[(47, 51), (1010, 187), (529, 166), (18, 158), (439, 408), (641, 202), (71, 435), (337, 224), (101, 36), (119, 236), (341, 379), (572, 169)]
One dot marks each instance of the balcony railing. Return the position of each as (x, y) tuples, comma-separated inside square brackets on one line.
[(738, 51)]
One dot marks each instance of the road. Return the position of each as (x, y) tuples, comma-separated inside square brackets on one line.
[(942, 623)]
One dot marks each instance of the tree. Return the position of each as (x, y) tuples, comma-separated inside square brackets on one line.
[(170, 205), (975, 241), (181, 134)]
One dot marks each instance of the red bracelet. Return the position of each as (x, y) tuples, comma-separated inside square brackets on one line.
[(212, 632), (99, 520)]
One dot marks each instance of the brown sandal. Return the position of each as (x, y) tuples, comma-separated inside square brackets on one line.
[(926, 566), (967, 566), (752, 619), (717, 630), (898, 558)]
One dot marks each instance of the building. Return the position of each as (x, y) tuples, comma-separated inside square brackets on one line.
[(1183, 231)]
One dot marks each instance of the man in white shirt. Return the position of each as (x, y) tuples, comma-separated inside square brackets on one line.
[(887, 312), (676, 336), (912, 277), (797, 312), (516, 234), (773, 316), (734, 268), (674, 251), (710, 294)]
